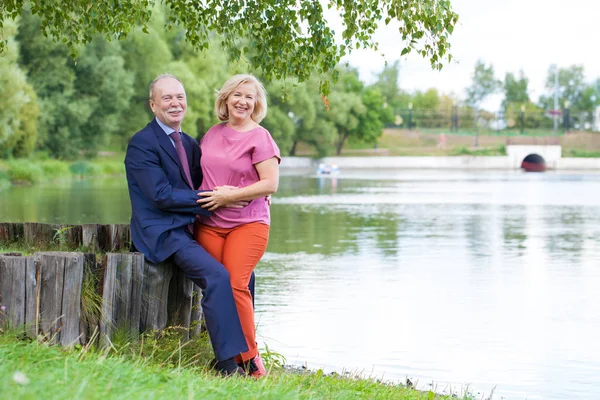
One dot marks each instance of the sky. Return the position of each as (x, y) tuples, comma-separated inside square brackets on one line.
[(509, 34)]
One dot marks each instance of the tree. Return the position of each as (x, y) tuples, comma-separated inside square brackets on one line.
[(484, 83), (372, 122), (571, 86), (426, 106), (388, 85), (573, 93), (291, 118), (515, 90), (18, 103), (286, 36), (81, 103)]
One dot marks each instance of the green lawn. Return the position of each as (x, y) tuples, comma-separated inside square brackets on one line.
[(32, 370)]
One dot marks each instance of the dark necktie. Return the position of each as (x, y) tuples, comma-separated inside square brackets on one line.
[(182, 157)]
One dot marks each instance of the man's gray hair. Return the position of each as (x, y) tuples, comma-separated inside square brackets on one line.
[(158, 78)]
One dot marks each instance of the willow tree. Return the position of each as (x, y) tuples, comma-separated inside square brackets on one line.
[(288, 38)]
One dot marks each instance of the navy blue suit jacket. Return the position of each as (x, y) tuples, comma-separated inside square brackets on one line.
[(162, 202)]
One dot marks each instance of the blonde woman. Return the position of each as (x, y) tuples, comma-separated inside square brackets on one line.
[(240, 162)]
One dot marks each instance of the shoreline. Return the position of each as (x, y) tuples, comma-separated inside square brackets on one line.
[(435, 162)]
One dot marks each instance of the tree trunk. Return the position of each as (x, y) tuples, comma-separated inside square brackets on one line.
[(340, 144), (293, 149)]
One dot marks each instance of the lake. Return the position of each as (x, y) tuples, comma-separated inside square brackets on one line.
[(457, 280)]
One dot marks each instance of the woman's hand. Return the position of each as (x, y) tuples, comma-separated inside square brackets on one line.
[(221, 196)]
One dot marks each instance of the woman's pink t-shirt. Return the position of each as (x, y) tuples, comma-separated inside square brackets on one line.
[(228, 158)]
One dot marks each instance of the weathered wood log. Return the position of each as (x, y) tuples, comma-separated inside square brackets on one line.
[(38, 235), (11, 232), (12, 291), (122, 294), (120, 237), (69, 236), (196, 324), (61, 277), (18, 292), (155, 295), (179, 307), (91, 298), (32, 297), (96, 237)]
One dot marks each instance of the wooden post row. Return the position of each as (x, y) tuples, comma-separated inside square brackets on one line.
[(43, 294), (41, 236)]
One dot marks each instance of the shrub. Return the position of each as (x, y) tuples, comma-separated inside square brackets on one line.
[(23, 171), (81, 168), (54, 169)]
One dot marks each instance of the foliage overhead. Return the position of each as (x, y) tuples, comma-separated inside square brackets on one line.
[(286, 36)]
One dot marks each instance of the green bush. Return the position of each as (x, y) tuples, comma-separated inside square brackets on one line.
[(54, 169), (81, 168), (4, 181), (105, 167), (24, 171)]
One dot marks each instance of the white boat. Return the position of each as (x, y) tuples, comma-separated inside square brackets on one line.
[(326, 169)]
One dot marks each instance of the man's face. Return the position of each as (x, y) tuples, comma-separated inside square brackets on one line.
[(168, 102)]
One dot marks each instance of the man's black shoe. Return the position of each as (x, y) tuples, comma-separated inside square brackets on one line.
[(229, 368)]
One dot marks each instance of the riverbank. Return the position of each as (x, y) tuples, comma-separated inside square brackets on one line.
[(454, 162), (165, 368), (32, 171)]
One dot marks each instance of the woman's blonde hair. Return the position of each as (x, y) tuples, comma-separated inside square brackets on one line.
[(260, 106)]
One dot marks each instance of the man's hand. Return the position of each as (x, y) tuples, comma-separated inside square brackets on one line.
[(221, 196), (237, 204)]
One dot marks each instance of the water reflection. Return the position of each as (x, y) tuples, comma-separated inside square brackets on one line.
[(480, 279)]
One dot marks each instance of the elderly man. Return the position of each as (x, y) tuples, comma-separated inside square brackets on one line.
[(163, 172)]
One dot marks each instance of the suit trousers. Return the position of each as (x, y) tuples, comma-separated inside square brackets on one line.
[(220, 313)]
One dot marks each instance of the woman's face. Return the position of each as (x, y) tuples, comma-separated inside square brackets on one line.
[(240, 103)]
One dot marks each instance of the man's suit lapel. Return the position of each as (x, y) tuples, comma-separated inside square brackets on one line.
[(167, 145)]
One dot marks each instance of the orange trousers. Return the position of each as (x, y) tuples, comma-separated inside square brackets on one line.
[(239, 249)]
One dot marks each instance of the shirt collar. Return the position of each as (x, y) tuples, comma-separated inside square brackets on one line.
[(167, 129)]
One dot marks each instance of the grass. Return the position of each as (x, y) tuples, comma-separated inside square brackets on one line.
[(580, 153), (430, 142), (163, 369), (489, 132), (499, 150)]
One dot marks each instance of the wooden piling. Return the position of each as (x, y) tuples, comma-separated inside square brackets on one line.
[(179, 310), (61, 275), (44, 293), (38, 235), (12, 290), (155, 295), (122, 294), (11, 232)]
